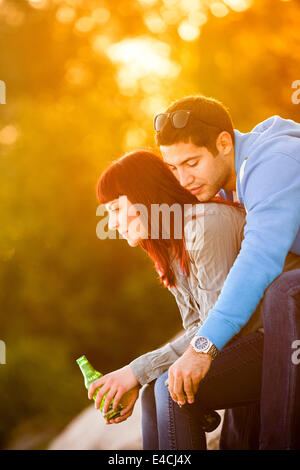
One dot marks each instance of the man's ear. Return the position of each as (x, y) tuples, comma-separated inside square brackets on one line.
[(224, 143)]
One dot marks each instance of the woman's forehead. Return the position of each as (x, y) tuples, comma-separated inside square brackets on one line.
[(111, 204), (115, 202)]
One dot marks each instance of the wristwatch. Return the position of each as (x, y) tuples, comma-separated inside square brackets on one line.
[(201, 344)]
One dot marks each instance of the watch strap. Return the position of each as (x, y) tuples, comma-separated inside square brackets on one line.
[(212, 351)]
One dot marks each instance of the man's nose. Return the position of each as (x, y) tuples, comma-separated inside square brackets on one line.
[(184, 177)]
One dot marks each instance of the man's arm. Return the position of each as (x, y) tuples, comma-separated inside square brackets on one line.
[(272, 200)]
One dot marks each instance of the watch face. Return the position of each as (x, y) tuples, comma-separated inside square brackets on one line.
[(202, 343)]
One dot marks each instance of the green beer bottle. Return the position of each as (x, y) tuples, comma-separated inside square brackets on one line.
[(90, 375)]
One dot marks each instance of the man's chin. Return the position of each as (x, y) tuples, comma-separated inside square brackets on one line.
[(206, 194), (133, 243)]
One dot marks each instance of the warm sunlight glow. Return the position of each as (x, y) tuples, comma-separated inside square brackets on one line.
[(155, 23), (65, 14), (101, 15), (100, 43), (148, 3), (219, 9), (197, 18), (239, 5), (171, 16), (190, 5), (38, 3), (84, 24), (188, 31), (135, 137), (77, 74), (150, 85), (138, 58), (171, 3), (8, 135), (153, 105)]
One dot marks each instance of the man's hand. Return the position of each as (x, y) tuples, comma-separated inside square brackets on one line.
[(186, 373)]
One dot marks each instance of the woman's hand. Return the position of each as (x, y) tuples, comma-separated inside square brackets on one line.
[(128, 401), (115, 384)]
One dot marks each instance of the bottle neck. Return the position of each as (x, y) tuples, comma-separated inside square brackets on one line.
[(89, 372)]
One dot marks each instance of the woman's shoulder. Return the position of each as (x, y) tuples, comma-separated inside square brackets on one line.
[(211, 216), (198, 212)]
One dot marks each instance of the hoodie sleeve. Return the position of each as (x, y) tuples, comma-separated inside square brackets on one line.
[(272, 199)]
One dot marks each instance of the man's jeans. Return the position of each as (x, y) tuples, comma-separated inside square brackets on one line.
[(258, 369)]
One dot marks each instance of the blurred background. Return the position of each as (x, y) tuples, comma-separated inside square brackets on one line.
[(83, 81)]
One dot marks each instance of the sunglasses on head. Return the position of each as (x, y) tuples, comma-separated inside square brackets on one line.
[(179, 119)]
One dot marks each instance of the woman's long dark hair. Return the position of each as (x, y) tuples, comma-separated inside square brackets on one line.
[(145, 179)]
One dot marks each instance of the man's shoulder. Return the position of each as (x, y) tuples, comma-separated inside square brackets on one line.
[(273, 135), (277, 124), (274, 147)]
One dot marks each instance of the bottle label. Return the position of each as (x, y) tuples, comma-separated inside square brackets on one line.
[(91, 378)]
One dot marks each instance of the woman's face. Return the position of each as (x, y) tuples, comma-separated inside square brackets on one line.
[(123, 216)]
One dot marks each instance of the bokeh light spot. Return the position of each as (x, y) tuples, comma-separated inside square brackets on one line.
[(155, 23), (137, 58), (101, 15), (238, 5), (8, 135), (135, 137), (218, 9), (38, 3), (153, 105), (188, 31), (148, 3), (84, 24), (65, 14), (77, 74)]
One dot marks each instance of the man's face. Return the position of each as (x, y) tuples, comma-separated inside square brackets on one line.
[(196, 168)]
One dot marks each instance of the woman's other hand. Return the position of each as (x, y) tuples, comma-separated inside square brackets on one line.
[(128, 401), (115, 385)]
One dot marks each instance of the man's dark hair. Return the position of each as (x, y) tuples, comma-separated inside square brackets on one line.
[(208, 118)]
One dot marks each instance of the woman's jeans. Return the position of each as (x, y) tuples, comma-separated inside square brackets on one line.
[(260, 370)]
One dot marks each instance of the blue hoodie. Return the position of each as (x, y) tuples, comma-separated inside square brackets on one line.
[(267, 164)]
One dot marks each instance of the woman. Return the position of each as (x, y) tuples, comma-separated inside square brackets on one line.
[(192, 257)]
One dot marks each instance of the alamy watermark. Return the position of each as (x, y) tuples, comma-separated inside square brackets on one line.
[(296, 353), (167, 222), (2, 92), (2, 352), (296, 94)]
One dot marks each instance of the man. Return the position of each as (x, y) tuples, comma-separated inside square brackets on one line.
[(198, 143)]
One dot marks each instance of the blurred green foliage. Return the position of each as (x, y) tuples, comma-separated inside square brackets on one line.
[(39, 386), (64, 292)]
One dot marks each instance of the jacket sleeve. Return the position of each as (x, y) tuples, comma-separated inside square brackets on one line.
[(151, 365), (272, 199)]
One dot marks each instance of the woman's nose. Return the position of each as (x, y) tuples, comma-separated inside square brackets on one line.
[(112, 223)]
